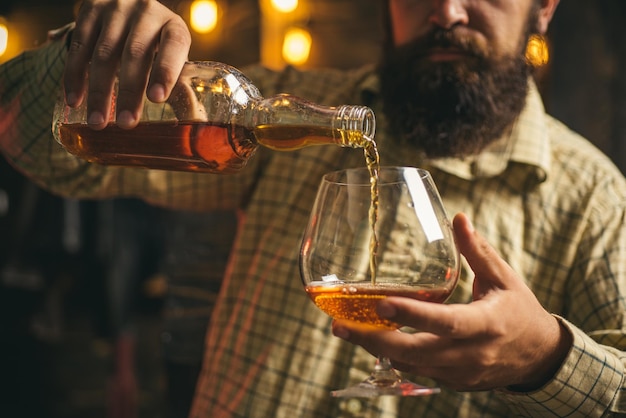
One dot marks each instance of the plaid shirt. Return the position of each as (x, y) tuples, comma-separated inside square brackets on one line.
[(550, 203)]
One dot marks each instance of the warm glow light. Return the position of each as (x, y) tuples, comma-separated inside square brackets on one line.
[(537, 52), (203, 17), (297, 46), (285, 6), (4, 38)]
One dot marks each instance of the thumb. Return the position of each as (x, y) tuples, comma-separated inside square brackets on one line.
[(490, 269)]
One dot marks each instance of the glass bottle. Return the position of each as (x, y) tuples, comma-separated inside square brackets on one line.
[(214, 121)]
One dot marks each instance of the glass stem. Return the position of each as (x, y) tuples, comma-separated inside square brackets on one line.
[(384, 374)]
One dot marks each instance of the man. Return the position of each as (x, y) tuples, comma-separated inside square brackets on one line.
[(539, 334)]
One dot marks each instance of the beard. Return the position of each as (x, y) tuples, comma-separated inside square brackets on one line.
[(452, 108)]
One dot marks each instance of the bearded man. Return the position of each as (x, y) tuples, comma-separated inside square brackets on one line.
[(535, 326)]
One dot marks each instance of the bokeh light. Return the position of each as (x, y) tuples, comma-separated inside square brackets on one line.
[(537, 51), (285, 6), (297, 46), (203, 15), (4, 38)]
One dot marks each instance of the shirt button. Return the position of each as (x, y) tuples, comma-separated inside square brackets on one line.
[(352, 407)]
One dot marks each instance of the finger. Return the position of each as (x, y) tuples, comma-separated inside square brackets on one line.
[(376, 341), (456, 363), (454, 376), (135, 65), (490, 269), (83, 40), (103, 69), (172, 54), (411, 350), (456, 321)]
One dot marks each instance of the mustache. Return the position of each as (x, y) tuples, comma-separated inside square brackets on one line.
[(440, 38)]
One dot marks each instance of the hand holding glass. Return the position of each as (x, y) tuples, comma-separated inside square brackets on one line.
[(414, 255)]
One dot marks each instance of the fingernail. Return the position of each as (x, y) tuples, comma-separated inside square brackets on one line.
[(95, 118), (71, 99), (470, 224), (125, 119), (157, 93), (341, 332), (385, 310)]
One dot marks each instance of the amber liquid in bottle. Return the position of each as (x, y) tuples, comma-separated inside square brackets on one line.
[(193, 146)]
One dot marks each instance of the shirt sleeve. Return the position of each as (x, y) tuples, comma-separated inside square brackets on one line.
[(590, 382), (30, 85)]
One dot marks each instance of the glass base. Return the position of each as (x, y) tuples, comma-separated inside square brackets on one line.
[(401, 388), (385, 381)]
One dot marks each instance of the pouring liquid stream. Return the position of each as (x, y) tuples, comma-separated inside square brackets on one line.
[(372, 161)]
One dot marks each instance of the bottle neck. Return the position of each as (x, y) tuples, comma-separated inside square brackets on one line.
[(285, 122), (358, 123)]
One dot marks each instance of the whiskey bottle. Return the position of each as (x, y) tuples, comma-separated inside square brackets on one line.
[(214, 121)]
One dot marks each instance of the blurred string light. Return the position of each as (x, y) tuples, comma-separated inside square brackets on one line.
[(4, 37), (296, 46), (285, 36), (203, 15), (285, 6), (537, 53)]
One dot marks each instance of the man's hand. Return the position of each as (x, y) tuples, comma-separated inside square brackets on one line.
[(147, 42), (503, 338)]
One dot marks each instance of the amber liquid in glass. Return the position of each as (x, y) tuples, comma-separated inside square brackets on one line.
[(357, 301)]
